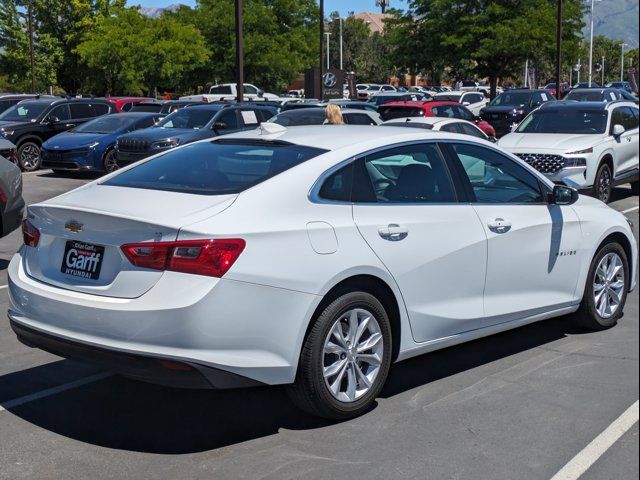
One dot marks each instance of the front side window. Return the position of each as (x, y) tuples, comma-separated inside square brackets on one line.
[(61, 112), (624, 116), (495, 178), (407, 174), (229, 119), (214, 168)]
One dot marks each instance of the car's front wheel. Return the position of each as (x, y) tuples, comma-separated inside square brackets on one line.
[(29, 156), (605, 292), (345, 358), (604, 183), (109, 163)]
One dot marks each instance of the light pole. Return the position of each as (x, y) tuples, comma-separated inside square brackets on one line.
[(602, 66), (558, 49), (622, 61), (341, 67), (239, 53), (320, 63), (328, 34), (591, 42), (579, 68)]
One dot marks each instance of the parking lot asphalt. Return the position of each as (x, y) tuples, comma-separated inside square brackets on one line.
[(519, 405)]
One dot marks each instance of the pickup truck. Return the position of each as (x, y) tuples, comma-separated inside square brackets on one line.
[(471, 86), (228, 91)]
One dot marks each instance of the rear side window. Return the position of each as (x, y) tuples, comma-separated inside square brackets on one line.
[(469, 129), (214, 168), (338, 186), (82, 110), (389, 113)]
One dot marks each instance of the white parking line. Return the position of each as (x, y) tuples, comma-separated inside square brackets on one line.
[(2, 287), (592, 452), (629, 210), (53, 391)]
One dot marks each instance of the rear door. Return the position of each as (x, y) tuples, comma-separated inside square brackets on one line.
[(407, 210), (533, 248)]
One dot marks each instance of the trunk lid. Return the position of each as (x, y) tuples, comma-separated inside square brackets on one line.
[(97, 220)]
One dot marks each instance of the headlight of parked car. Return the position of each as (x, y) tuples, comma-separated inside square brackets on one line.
[(168, 143)]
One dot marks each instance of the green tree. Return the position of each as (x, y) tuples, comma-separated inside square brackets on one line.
[(128, 53), (15, 63)]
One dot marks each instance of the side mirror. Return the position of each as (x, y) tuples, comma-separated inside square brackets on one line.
[(220, 126), (260, 93), (563, 195), (493, 139), (52, 119), (618, 130), (465, 104)]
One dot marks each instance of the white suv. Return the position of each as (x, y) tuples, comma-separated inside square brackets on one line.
[(588, 145)]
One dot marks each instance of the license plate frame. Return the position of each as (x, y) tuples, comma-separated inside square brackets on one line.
[(84, 262)]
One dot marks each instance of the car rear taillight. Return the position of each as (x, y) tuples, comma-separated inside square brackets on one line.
[(213, 258), (30, 234)]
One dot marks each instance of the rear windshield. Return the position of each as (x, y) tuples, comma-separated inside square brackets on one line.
[(215, 168), (450, 98), (193, 118), (511, 98), (389, 113), (299, 117), (586, 96), (106, 124)]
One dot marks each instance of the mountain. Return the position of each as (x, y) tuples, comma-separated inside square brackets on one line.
[(615, 19), (155, 12)]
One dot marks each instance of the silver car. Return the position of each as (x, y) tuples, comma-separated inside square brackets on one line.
[(11, 201)]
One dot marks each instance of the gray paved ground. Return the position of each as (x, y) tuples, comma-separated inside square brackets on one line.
[(518, 405)]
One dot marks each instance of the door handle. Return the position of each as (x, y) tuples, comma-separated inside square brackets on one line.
[(393, 232), (499, 225)]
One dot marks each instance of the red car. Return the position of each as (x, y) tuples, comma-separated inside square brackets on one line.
[(444, 109), (124, 104)]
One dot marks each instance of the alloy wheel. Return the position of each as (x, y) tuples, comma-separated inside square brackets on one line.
[(110, 162), (30, 157), (352, 355), (608, 285), (604, 184)]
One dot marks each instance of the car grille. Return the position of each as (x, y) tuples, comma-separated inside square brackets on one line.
[(543, 162), (133, 144)]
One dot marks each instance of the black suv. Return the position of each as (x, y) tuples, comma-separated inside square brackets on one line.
[(510, 108), (30, 122)]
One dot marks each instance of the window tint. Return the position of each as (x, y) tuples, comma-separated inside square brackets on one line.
[(144, 123), (391, 112), (101, 108), (469, 129), (229, 118), (358, 119), (61, 111), (624, 116), (303, 116), (495, 178), (451, 128), (4, 104), (82, 110), (221, 90), (409, 174), (445, 111), (461, 112), (126, 107), (250, 89), (214, 168), (338, 185)]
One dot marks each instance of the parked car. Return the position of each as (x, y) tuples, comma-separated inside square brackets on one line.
[(474, 101), (438, 124), (30, 122), (382, 98), (11, 201), (564, 88), (317, 116), (173, 105), (508, 109), (445, 109), (229, 91), (311, 257), (587, 85), (147, 107), (124, 104), (590, 145), (188, 125), (10, 99), (473, 86), (620, 85), (373, 89), (91, 146), (594, 95)]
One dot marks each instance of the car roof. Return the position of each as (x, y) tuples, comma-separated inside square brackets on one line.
[(54, 100), (427, 120), (331, 137), (134, 114), (573, 105)]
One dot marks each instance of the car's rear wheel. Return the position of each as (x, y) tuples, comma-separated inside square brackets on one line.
[(345, 358), (603, 184), (109, 162), (29, 156), (605, 292)]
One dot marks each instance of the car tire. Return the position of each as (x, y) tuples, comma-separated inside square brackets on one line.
[(352, 389), (591, 315), (29, 156), (603, 184), (109, 162)]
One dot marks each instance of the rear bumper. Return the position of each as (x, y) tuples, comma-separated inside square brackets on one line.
[(146, 368), (249, 330)]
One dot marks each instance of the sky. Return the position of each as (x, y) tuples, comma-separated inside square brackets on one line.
[(342, 6)]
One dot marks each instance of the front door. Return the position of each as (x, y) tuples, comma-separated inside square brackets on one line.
[(533, 247), (406, 209)]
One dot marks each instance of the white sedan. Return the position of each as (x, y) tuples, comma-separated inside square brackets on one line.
[(439, 124), (311, 256)]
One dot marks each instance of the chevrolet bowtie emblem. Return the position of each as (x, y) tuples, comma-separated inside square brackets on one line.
[(73, 226)]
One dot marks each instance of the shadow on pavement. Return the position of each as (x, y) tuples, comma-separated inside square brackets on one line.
[(129, 415)]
